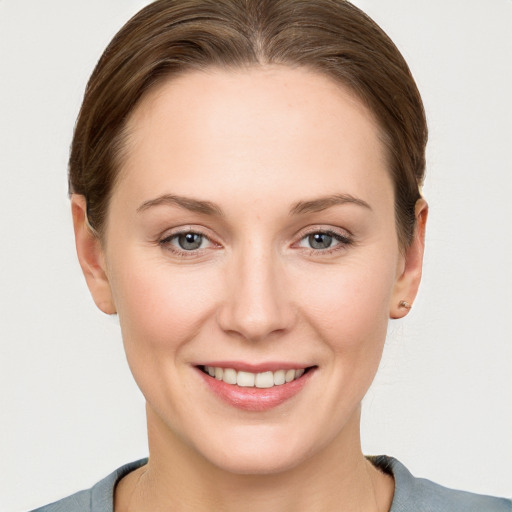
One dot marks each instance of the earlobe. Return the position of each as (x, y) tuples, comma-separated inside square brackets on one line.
[(91, 256), (407, 283)]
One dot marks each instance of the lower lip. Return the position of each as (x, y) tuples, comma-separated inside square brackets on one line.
[(255, 399)]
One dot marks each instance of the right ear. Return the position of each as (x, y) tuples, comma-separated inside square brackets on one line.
[(91, 256)]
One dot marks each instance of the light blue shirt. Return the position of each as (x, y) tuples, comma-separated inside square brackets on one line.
[(411, 494)]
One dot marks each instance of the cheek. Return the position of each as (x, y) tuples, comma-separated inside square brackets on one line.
[(349, 305), (161, 306)]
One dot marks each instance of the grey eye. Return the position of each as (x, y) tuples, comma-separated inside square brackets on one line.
[(320, 241), (190, 241)]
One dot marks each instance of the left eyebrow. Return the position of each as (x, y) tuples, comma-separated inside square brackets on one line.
[(322, 203)]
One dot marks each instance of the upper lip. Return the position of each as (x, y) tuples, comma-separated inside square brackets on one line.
[(269, 366)]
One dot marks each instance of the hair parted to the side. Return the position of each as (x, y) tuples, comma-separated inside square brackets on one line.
[(169, 37)]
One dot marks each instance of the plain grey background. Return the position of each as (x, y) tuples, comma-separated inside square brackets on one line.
[(442, 401)]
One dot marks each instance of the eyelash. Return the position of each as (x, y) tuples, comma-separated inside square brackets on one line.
[(166, 243), (344, 241)]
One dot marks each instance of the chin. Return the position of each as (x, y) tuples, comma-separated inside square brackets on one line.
[(257, 464), (258, 452)]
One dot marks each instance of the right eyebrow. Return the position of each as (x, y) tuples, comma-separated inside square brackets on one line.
[(188, 203)]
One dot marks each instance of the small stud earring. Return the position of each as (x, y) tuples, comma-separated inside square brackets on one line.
[(404, 304)]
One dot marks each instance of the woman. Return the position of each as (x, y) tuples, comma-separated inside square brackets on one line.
[(245, 185)]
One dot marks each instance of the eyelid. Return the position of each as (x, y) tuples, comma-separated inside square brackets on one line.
[(168, 235), (318, 228), (342, 236), (164, 240)]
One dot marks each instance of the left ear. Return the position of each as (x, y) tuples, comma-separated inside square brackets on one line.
[(408, 280)]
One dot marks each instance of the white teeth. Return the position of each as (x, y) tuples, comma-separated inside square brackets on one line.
[(250, 380), (229, 376), (245, 379), (264, 380), (279, 377), (290, 375)]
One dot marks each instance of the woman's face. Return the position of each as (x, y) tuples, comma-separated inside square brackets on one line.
[(252, 231)]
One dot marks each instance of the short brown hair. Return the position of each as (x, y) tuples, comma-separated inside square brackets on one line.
[(168, 37)]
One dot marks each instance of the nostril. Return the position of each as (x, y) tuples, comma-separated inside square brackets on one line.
[(256, 306)]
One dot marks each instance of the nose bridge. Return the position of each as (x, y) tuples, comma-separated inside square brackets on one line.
[(255, 303)]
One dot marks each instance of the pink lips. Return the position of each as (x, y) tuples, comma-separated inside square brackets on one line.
[(254, 399)]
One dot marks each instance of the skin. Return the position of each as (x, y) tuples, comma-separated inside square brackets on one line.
[(254, 143)]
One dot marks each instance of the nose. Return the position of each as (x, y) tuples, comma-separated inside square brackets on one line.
[(256, 304)]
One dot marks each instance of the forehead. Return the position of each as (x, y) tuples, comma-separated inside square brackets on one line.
[(291, 128)]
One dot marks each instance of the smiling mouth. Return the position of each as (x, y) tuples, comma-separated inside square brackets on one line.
[(262, 380)]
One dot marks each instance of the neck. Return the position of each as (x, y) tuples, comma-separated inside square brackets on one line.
[(178, 478)]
